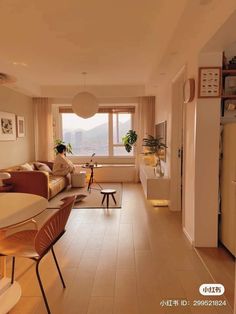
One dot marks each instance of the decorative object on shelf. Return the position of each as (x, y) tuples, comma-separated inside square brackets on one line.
[(229, 85), (85, 104), (209, 82), (155, 146), (20, 126), (7, 126), (232, 63), (129, 140), (4, 176), (68, 146), (189, 90)]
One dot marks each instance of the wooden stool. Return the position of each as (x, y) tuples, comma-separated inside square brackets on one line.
[(106, 193)]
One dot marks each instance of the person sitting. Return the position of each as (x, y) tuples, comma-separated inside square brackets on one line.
[(62, 166)]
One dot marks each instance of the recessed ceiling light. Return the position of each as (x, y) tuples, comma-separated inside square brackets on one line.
[(23, 64)]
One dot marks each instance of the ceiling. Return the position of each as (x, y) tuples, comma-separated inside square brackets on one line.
[(118, 43)]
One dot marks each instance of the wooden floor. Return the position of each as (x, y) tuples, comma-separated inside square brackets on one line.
[(123, 263)]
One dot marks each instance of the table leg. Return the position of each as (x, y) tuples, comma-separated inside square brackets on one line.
[(2, 267), (2, 259)]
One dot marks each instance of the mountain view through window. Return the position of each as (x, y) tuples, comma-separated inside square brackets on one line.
[(88, 136)]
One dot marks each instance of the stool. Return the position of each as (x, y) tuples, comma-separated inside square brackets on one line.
[(106, 194), (78, 179)]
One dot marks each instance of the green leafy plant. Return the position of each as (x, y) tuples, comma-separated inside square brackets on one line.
[(155, 146), (68, 146), (129, 140)]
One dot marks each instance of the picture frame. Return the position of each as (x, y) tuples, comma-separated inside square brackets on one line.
[(7, 126), (161, 132), (20, 126), (209, 82)]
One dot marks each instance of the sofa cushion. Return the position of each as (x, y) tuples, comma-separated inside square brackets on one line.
[(56, 184), (42, 167), (26, 167)]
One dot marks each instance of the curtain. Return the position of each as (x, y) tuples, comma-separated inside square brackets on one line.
[(145, 125), (43, 129)]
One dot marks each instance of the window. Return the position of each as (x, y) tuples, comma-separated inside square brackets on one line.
[(122, 122), (101, 134)]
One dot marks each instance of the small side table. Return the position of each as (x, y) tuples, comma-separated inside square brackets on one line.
[(6, 188), (91, 179), (106, 194)]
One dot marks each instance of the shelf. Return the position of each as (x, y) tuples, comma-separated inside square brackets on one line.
[(225, 120), (229, 96), (229, 72)]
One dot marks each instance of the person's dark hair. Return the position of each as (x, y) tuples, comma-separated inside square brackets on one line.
[(61, 148)]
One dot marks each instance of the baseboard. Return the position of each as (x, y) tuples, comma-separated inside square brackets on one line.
[(188, 236)]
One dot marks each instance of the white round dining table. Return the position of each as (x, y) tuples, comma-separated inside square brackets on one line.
[(15, 208)]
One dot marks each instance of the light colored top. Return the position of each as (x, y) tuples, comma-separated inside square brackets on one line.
[(19, 207), (62, 166)]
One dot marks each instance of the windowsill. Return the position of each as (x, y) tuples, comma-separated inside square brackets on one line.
[(104, 160)]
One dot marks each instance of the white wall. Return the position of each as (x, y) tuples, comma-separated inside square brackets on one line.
[(22, 149)]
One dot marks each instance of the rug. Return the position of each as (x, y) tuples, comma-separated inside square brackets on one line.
[(91, 199)]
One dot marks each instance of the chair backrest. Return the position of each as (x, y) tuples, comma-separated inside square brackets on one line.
[(54, 227)]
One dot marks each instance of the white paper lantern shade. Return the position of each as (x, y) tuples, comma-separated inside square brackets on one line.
[(85, 105)]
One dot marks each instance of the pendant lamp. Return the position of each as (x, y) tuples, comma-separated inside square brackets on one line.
[(85, 104)]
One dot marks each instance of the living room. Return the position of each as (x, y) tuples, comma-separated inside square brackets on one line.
[(127, 66)]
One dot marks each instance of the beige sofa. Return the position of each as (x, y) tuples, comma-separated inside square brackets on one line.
[(37, 182)]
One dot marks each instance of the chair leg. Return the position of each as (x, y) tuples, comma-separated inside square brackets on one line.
[(103, 198), (13, 269), (41, 287), (107, 201), (58, 268), (113, 198)]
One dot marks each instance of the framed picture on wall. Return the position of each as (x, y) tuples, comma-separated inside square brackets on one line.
[(20, 126), (209, 82), (7, 126), (161, 132)]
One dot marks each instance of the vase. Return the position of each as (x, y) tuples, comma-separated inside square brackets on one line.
[(158, 169)]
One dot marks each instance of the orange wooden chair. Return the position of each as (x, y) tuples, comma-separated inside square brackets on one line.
[(35, 244)]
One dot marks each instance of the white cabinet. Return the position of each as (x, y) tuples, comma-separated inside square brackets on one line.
[(155, 188)]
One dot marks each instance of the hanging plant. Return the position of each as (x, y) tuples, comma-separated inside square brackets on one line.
[(129, 140)]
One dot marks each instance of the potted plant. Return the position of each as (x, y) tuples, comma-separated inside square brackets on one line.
[(68, 146), (155, 146), (129, 140)]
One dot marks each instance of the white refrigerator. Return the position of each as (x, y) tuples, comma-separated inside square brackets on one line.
[(227, 226)]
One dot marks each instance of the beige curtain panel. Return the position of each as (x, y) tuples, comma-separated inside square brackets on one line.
[(145, 126), (43, 129)]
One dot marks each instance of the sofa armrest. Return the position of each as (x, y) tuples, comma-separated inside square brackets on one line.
[(33, 182)]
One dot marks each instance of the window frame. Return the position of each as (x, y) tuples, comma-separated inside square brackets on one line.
[(111, 158)]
